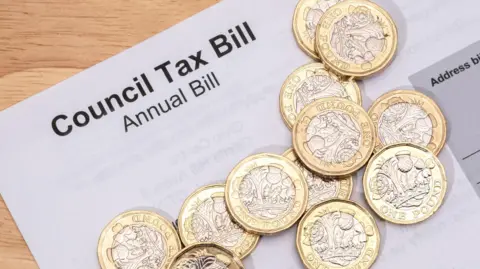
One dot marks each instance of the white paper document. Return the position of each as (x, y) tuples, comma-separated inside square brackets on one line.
[(145, 128)]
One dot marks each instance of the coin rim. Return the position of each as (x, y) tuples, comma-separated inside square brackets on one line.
[(235, 258), (298, 39), (341, 80), (123, 215), (374, 207), (385, 63), (256, 230), (325, 203), (325, 172), (181, 231), (347, 177), (401, 92)]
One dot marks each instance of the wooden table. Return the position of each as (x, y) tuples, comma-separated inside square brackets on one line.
[(43, 42)]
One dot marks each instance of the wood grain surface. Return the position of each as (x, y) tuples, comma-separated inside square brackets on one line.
[(43, 42)]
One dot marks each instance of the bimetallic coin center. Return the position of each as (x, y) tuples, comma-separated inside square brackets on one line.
[(138, 247), (211, 223), (338, 238), (405, 122), (338, 234), (403, 181), (358, 37), (316, 86), (267, 192), (333, 136)]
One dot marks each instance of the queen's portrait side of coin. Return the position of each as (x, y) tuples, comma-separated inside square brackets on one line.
[(204, 218), (266, 193), (408, 116), (356, 38), (405, 183), (338, 234), (138, 237)]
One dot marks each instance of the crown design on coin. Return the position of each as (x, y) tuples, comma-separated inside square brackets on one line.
[(338, 255), (267, 191), (270, 206), (319, 187), (210, 222), (403, 180)]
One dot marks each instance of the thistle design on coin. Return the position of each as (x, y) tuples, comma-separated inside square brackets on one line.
[(338, 234), (266, 193), (138, 240), (206, 256), (408, 116), (305, 20), (204, 218), (356, 38), (404, 183), (334, 137), (321, 188), (312, 82)]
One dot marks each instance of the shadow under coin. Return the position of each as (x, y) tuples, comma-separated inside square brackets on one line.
[(358, 196), (275, 149), (400, 21), (448, 161), (248, 262), (366, 101), (398, 17)]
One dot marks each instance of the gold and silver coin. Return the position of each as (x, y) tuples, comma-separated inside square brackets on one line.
[(206, 256), (138, 237), (408, 116), (305, 20), (266, 193), (321, 188), (338, 234), (356, 38), (334, 137), (312, 82), (404, 183), (204, 218)]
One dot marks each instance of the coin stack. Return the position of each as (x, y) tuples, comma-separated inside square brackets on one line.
[(333, 137)]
